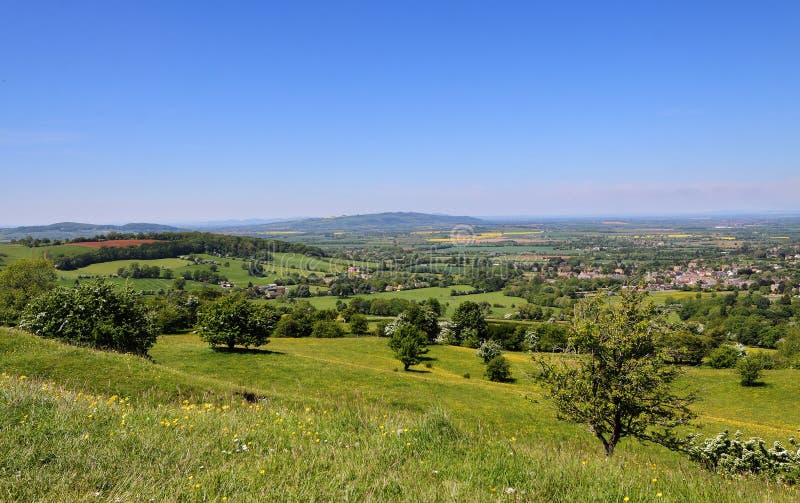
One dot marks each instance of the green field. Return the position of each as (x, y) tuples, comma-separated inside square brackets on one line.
[(334, 420), (442, 294)]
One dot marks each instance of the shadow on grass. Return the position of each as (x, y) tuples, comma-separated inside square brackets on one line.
[(246, 351), (418, 371)]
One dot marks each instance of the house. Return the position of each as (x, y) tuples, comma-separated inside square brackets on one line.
[(226, 284)]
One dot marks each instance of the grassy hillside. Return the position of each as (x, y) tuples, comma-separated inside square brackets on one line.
[(332, 420)]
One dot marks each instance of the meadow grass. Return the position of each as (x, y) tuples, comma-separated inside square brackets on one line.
[(326, 420), (442, 294)]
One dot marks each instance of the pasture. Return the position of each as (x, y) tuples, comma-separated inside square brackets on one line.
[(333, 420)]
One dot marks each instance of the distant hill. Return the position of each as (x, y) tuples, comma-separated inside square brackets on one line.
[(71, 230), (374, 222)]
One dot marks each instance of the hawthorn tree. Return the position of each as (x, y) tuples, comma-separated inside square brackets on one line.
[(94, 314), (614, 378), (408, 343), (232, 321)]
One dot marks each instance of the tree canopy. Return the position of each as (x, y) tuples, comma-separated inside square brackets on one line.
[(615, 379)]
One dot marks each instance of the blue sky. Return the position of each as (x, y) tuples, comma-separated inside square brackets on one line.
[(187, 111)]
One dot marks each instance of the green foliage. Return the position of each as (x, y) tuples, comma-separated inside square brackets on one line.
[(724, 357), (620, 385), (789, 346), (408, 344), (327, 329), (749, 368), (469, 323), (489, 350), (94, 314), (498, 369), (20, 282), (232, 321), (733, 456), (685, 348), (423, 318), (358, 324)]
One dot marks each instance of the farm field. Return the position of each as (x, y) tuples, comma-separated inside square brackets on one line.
[(334, 421), (442, 294)]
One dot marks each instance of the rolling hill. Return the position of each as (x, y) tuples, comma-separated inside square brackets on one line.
[(374, 222)]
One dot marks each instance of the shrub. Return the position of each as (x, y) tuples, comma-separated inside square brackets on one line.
[(327, 330), (20, 282), (359, 325), (488, 350), (724, 357), (749, 369), (93, 314), (498, 369), (732, 456)]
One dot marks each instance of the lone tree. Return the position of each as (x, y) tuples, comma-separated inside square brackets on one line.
[(408, 343), (232, 321), (616, 380)]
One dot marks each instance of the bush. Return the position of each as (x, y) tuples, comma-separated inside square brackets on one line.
[(732, 456), (749, 369), (327, 330), (489, 350), (724, 357), (498, 369), (20, 282), (93, 314), (358, 324)]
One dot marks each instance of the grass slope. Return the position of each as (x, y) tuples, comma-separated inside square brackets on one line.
[(334, 422)]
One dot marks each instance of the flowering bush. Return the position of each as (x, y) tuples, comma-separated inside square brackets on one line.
[(489, 350), (734, 456)]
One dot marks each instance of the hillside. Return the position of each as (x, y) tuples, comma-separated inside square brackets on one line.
[(71, 230), (376, 222), (328, 420)]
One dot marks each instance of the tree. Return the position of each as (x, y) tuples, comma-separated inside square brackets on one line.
[(20, 282), (468, 321), (358, 324), (94, 314), (617, 383), (423, 318), (408, 343), (232, 321)]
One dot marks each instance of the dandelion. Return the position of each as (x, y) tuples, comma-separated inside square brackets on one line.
[(626, 498), (262, 472)]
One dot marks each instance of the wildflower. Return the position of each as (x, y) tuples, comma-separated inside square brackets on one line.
[(626, 498), (510, 490), (244, 447), (659, 495), (262, 472)]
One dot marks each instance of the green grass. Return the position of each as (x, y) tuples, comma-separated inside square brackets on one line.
[(440, 293), (325, 428)]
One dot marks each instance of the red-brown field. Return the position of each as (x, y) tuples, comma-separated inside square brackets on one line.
[(114, 243)]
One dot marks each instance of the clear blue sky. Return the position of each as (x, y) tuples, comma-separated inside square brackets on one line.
[(116, 111)]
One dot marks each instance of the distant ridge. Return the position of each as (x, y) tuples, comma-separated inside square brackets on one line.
[(373, 222), (72, 230)]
